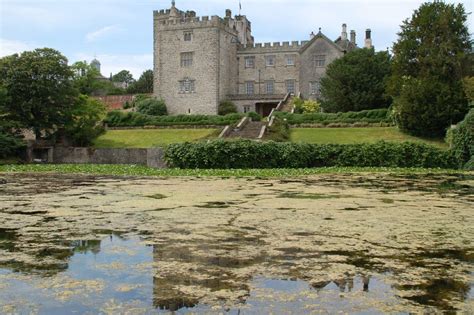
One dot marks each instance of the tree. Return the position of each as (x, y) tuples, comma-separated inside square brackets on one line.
[(86, 79), (10, 140), (123, 76), (427, 69), (355, 82), (143, 85), (39, 87), (85, 119)]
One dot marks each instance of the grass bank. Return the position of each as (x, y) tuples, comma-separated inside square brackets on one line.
[(132, 170), (356, 135), (148, 138)]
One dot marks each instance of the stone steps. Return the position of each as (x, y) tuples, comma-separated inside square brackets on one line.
[(250, 131)]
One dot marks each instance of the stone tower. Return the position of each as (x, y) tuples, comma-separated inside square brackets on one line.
[(194, 60)]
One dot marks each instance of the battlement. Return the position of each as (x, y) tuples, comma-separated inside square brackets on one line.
[(188, 20), (275, 46)]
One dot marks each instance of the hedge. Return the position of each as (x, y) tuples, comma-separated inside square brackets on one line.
[(365, 116), (247, 154), (461, 141), (133, 119)]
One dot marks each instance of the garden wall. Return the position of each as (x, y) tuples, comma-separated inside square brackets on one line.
[(72, 155)]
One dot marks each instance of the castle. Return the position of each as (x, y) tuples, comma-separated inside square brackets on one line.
[(199, 62)]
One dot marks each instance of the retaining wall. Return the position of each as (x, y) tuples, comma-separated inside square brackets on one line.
[(153, 157)]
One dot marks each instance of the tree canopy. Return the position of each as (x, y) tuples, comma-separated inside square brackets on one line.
[(427, 69), (356, 82), (123, 76), (39, 86), (143, 85)]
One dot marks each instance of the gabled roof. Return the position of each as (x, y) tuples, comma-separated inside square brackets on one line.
[(324, 37)]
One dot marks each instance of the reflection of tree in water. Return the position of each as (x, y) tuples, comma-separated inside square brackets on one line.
[(43, 256)]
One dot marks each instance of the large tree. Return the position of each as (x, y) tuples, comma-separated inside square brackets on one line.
[(143, 85), (427, 71), (123, 76), (39, 87), (355, 82)]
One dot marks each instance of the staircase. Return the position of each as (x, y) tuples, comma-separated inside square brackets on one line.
[(287, 106), (251, 130)]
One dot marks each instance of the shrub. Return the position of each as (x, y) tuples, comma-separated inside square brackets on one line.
[(226, 107), (254, 116), (461, 141), (152, 107), (365, 116), (298, 105), (246, 154), (311, 106), (132, 119), (279, 131)]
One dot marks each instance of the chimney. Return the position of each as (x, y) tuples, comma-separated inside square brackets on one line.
[(228, 13), (368, 39), (311, 36), (353, 37), (344, 32)]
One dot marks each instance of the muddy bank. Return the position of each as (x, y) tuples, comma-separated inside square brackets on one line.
[(328, 243)]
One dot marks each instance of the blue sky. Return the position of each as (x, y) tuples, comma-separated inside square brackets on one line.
[(120, 32)]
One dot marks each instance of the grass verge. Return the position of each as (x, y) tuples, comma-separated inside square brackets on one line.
[(148, 138), (134, 170), (356, 135)]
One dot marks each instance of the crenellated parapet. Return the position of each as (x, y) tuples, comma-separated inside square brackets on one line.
[(188, 21), (272, 47)]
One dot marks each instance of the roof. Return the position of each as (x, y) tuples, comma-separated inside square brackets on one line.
[(324, 37)]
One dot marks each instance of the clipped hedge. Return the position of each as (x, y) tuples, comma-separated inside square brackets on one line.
[(247, 154), (133, 119), (366, 116), (461, 141)]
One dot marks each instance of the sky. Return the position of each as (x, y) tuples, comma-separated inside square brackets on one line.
[(120, 32)]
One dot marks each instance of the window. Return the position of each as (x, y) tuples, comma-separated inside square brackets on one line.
[(270, 87), (187, 59), (249, 62), (290, 60), (249, 88), (290, 86), (246, 108), (314, 88), (188, 36), (270, 61), (186, 86), (319, 61)]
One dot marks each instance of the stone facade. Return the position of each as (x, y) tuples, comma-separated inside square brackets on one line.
[(199, 62)]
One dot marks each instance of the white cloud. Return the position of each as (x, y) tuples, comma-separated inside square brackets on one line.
[(101, 33), (10, 47), (136, 64)]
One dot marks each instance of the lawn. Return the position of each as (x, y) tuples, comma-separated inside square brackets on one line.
[(148, 138), (356, 135)]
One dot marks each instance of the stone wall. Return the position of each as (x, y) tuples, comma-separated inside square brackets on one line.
[(153, 157), (114, 102)]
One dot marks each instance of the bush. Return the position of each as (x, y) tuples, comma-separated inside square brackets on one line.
[(152, 107), (461, 142), (254, 116), (122, 119), (279, 131), (246, 154), (226, 107), (365, 116)]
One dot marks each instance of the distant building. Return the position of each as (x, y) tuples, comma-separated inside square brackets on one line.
[(198, 62)]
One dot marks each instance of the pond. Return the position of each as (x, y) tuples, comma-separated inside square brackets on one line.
[(367, 243)]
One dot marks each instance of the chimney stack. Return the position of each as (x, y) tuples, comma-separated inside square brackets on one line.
[(353, 37), (228, 13), (344, 32), (368, 38)]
